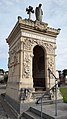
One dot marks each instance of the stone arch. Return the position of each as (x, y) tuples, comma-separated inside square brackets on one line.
[(39, 67)]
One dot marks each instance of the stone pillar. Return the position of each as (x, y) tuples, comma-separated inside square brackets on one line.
[(27, 81)]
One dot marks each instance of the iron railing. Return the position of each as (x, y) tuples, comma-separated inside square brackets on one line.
[(48, 91)]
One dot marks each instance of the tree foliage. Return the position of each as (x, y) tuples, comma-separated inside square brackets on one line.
[(64, 72), (6, 77)]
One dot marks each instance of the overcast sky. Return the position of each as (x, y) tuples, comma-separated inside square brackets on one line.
[(55, 14)]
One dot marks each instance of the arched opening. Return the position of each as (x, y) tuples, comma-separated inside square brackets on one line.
[(39, 68)]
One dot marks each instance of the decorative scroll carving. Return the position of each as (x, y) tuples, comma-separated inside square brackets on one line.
[(51, 64), (48, 46), (26, 73), (28, 44)]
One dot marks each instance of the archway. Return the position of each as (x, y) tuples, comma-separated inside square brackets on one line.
[(39, 68)]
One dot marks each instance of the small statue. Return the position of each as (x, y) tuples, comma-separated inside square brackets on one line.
[(39, 13)]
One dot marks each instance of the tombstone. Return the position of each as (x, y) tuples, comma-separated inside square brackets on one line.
[(32, 47)]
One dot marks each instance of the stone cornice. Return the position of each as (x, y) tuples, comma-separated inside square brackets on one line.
[(33, 26), (38, 27), (14, 33)]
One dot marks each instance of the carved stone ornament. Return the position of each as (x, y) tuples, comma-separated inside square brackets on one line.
[(14, 55), (26, 73), (40, 26), (47, 46), (28, 44), (13, 59), (51, 64), (16, 58)]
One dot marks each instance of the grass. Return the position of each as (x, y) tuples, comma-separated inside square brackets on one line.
[(63, 91)]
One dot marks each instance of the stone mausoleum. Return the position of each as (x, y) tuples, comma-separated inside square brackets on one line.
[(32, 47)]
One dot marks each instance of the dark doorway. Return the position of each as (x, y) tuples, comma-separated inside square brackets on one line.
[(39, 67)]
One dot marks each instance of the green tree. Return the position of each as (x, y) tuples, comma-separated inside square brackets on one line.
[(64, 72), (5, 77)]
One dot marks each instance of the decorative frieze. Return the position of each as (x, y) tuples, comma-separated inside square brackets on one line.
[(38, 37), (47, 46), (29, 43)]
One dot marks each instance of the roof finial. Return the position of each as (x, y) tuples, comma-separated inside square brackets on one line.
[(29, 10)]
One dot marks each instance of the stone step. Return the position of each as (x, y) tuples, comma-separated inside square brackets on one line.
[(30, 115), (46, 98), (33, 113), (38, 94), (46, 101), (38, 112)]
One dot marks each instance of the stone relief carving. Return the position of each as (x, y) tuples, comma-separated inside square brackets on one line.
[(16, 58), (48, 46), (28, 44), (13, 59), (51, 64), (26, 73), (14, 55)]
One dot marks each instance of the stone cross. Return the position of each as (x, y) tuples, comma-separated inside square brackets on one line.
[(29, 10)]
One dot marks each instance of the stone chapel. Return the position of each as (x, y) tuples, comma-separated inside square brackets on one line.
[(32, 47)]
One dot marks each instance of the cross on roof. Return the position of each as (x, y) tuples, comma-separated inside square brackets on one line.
[(29, 10)]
